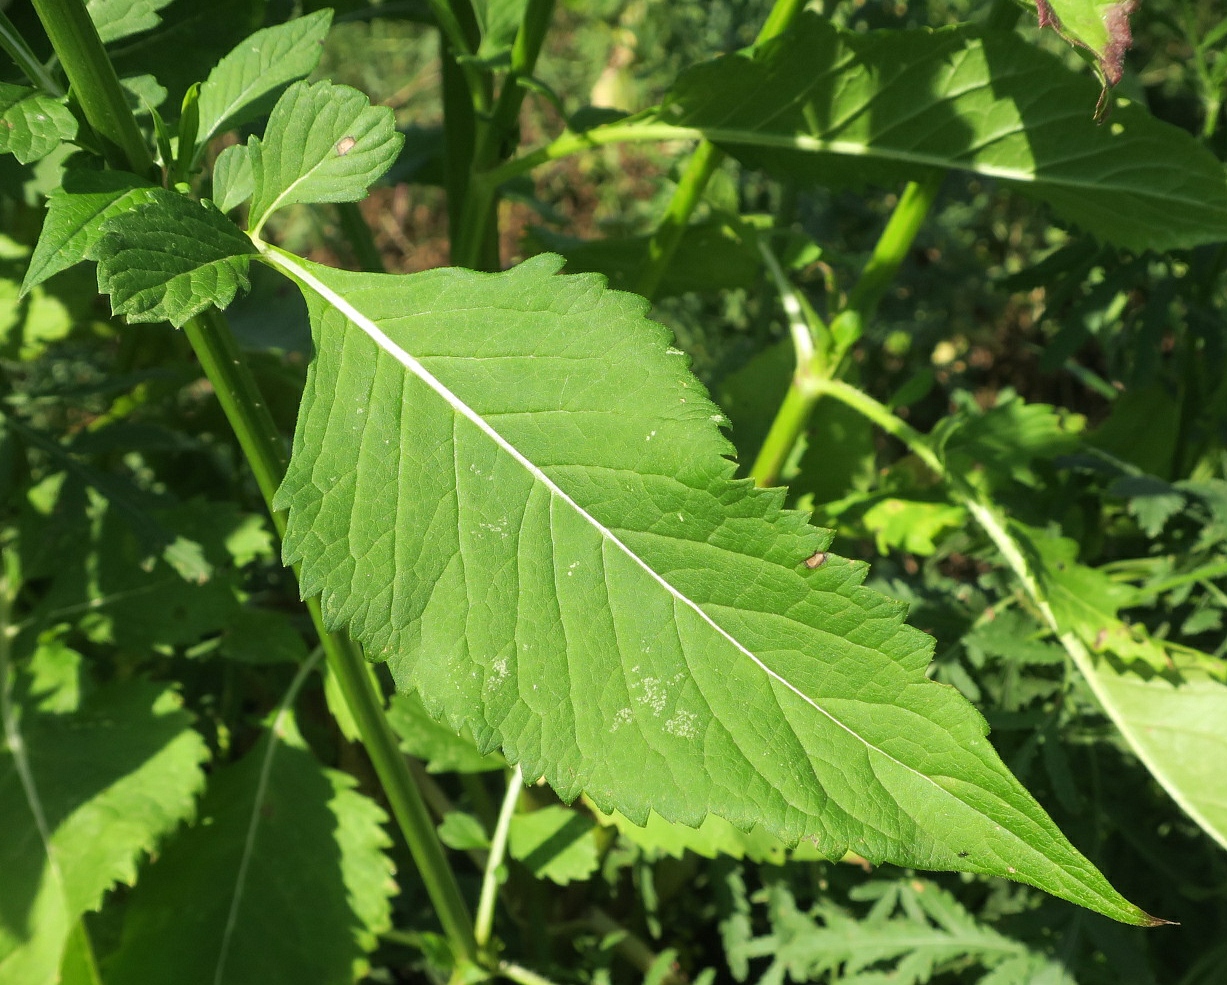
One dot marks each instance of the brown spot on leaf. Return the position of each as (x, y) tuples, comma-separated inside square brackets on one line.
[(345, 145), (816, 560)]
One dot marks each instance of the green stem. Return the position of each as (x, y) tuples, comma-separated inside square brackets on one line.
[(458, 39), (785, 428), (84, 58), (883, 417), (95, 84), (498, 849), (358, 234), (817, 365), (518, 973), (702, 165), (892, 246), (572, 143), (264, 450), (12, 42), (476, 234)]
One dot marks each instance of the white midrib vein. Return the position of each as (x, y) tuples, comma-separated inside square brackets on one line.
[(294, 268), (253, 826)]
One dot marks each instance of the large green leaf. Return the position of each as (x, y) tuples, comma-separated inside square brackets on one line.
[(284, 880), (88, 784), (324, 143), (242, 84), (510, 488), (829, 106), (32, 124)]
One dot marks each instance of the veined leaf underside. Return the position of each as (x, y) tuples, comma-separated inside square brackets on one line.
[(550, 548)]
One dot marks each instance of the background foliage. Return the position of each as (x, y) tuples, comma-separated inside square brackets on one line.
[(165, 683)]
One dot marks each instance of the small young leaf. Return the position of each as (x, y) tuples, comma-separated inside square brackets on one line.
[(117, 19), (170, 259), (32, 124), (243, 84), (324, 143), (284, 880), (233, 181), (1101, 26), (837, 107), (509, 487)]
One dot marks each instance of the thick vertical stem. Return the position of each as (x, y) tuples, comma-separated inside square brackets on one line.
[(475, 228), (95, 84), (83, 58)]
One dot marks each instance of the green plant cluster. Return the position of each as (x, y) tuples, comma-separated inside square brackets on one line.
[(787, 541)]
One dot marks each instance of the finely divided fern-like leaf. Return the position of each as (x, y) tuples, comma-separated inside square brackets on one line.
[(511, 488)]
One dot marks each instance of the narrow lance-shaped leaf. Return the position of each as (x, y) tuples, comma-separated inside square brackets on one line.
[(241, 85), (510, 488), (834, 107)]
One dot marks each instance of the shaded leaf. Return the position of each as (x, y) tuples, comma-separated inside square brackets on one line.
[(915, 929), (716, 254), (117, 19), (1175, 724), (554, 843), (242, 85), (911, 525), (510, 488), (76, 213), (88, 785), (283, 880), (32, 124), (463, 832), (834, 107), (324, 143), (1005, 439), (443, 750), (1087, 602), (170, 259)]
